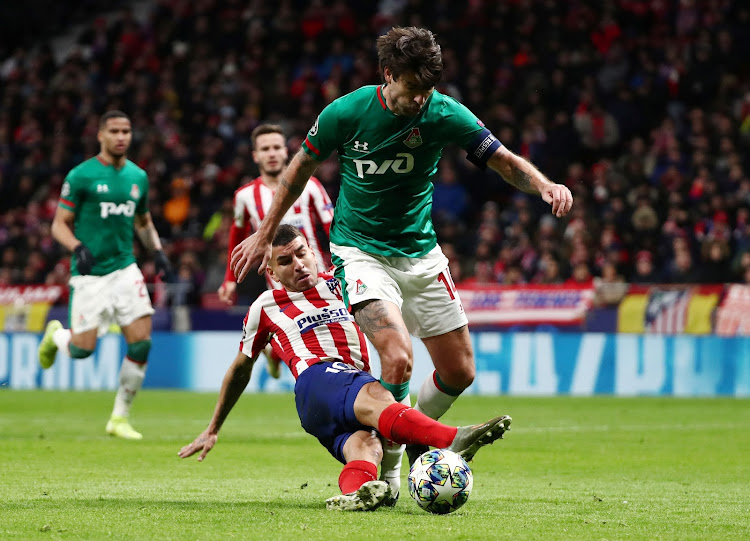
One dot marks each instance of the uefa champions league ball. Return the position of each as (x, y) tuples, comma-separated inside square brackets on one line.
[(440, 481)]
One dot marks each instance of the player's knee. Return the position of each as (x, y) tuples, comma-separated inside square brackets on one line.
[(79, 352), (397, 361), (138, 351)]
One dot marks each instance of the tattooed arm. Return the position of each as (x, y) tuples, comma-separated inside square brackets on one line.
[(291, 185), (520, 173), (256, 249), (235, 381)]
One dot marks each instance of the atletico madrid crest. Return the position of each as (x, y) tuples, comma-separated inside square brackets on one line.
[(414, 139)]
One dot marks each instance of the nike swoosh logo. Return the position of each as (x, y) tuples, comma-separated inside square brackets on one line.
[(285, 308)]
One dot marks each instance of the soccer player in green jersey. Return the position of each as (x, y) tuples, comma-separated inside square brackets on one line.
[(102, 201), (389, 139)]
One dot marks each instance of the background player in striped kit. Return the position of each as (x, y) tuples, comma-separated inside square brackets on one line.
[(389, 139), (312, 210), (252, 201), (102, 201), (338, 401)]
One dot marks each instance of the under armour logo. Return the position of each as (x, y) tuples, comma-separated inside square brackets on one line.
[(360, 147), (102, 188)]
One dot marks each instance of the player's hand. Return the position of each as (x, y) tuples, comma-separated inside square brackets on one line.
[(559, 196), (227, 291), (247, 254), (163, 266), (84, 259), (205, 442)]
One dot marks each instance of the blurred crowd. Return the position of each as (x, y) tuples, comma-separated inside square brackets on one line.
[(642, 108)]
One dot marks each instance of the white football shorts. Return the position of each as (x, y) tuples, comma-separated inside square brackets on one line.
[(98, 301), (421, 287)]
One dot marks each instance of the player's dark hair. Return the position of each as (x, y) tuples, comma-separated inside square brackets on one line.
[(411, 50), (111, 114), (285, 234), (263, 129)]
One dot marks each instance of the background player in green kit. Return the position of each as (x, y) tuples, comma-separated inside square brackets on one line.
[(389, 139), (102, 201)]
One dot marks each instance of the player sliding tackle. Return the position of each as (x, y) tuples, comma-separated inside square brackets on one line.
[(338, 401), (389, 139)]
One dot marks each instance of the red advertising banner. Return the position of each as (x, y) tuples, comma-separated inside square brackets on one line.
[(733, 315), (528, 304)]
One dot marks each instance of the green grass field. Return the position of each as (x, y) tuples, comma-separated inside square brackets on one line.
[(571, 468)]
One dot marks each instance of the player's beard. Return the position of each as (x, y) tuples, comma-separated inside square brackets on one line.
[(275, 172), (117, 153)]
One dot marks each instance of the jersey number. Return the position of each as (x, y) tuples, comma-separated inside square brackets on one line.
[(141, 285), (445, 277), (337, 367)]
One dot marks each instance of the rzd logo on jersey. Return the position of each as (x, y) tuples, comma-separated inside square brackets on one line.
[(111, 209), (403, 164)]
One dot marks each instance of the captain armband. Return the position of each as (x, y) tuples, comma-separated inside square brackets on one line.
[(481, 148)]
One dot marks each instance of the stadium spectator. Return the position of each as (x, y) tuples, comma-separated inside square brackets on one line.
[(190, 80), (644, 271)]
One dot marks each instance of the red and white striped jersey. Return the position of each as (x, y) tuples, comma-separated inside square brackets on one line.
[(252, 202), (305, 327)]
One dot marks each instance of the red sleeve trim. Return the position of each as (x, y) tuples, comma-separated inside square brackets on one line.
[(311, 146), (67, 203)]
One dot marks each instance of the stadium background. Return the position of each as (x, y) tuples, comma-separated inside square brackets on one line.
[(641, 108)]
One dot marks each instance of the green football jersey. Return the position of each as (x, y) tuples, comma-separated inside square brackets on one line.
[(386, 166), (105, 200)]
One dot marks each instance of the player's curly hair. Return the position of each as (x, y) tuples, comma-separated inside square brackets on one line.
[(411, 50), (285, 234)]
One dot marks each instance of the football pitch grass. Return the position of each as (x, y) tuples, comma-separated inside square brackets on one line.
[(571, 468)]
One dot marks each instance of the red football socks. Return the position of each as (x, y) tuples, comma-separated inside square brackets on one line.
[(403, 424), (355, 474)]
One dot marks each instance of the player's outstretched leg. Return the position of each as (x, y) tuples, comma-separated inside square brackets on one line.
[(47, 348), (368, 497), (469, 439)]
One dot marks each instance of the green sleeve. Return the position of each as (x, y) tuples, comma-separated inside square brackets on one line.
[(71, 193), (142, 206), (322, 139), (460, 122)]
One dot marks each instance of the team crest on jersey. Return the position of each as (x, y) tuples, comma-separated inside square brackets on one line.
[(135, 192), (361, 287), (334, 286), (414, 139)]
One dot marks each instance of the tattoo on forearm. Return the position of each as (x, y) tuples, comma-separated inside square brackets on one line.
[(293, 188), (521, 179), (373, 317)]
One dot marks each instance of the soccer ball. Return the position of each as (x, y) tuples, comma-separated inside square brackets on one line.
[(440, 481)]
